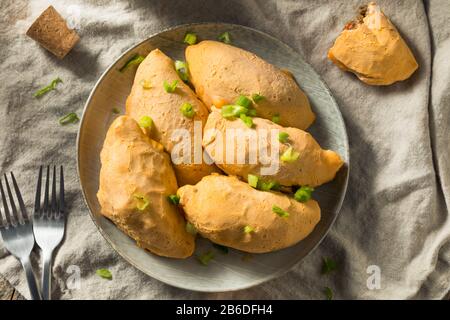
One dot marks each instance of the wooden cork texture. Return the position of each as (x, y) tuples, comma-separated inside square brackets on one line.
[(50, 30)]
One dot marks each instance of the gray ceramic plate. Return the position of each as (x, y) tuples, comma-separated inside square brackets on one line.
[(235, 270)]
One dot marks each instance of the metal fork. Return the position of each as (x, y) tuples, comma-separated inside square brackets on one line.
[(17, 232), (49, 224)]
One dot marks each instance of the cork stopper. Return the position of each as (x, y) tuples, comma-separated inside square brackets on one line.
[(50, 30)]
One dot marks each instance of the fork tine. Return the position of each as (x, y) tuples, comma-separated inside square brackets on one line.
[(11, 201), (5, 204), (37, 200), (2, 222), (46, 193), (54, 205), (19, 198), (61, 191)]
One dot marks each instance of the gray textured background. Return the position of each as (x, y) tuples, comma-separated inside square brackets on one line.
[(395, 214)]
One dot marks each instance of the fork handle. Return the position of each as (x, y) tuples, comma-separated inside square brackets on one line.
[(31, 280), (47, 274)]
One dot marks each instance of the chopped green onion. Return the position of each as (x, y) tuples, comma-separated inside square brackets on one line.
[(104, 273), (328, 293), (243, 101), (142, 202), (174, 199), (276, 118), (182, 70), (225, 37), (50, 87), (267, 186), (329, 265), (206, 258), (252, 180), (170, 88), (190, 38), (232, 111), (220, 247), (187, 110), (251, 112), (257, 183), (190, 228), (69, 118), (115, 110), (145, 84), (282, 137), (280, 212), (228, 111), (290, 155), (248, 229), (256, 97), (303, 194), (247, 120), (135, 60), (146, 122)]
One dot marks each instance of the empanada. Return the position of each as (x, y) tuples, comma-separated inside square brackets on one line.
[(371, 48), (149, 98), (221, 73), (229, 212), (135, 179), (313, 167)]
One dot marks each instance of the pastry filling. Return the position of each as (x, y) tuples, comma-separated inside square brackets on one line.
[(359, 19)]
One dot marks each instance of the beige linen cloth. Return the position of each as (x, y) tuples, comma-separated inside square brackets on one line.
[(395, 214)]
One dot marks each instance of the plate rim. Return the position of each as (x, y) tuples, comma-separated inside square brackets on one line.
[(273, 275)]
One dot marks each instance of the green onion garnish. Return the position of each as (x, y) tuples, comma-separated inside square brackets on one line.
[(252, 180), (115, 110), (135, 60), (187, 110), (257, 183), (329, 265), (146, 122), (251, 112), (69, 118), (243, 101), (170, 88), (142, 202), (267, 186), (303, 194), (206, 258), (256, 97), (145, 84), (225, 37), (280, 212), (182, 70), (190, 228), (104, 273), (232, 111), (276, 118), (282, 137), (174, 199), (248, 229), (290, 155), (247, 120), (190, 38), (221, 248), (50, 87), (328, 293)]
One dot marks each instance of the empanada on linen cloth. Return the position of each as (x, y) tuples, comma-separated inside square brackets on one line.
[(221, 73), (136, 177), (371, 47)]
